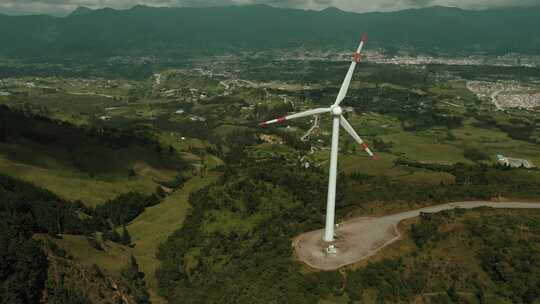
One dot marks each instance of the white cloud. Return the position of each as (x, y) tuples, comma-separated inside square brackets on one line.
[(65, 6)]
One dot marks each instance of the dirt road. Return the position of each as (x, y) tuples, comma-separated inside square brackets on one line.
[(494, 100), (361, 238)]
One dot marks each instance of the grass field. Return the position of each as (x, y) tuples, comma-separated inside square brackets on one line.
[(184, 145), (362, 163), (424, 148), (67, 103), (148, 231), (373, 124), (433, 146), (384, 166), (496, 142), (156, 223), (112, 258), (72, 184)]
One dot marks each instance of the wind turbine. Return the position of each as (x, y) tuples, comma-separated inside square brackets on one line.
[(337, 119)]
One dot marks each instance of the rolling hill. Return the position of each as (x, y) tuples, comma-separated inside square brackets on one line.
[(91, 165)]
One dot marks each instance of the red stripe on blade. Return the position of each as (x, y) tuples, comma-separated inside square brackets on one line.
[(263, 124), (364, 146), (356, 57), (281, 119), (364, 37)]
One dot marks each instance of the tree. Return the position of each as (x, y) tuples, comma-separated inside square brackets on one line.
[(132, 173), (135, 282), (23, 264), (3, 131), (481, 296), (58, 293), (112, 235), (160, 192), (382, 146), (452, 294), (475, 155), (125, 207), (126, 238)]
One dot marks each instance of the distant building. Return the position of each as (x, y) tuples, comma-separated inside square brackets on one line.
[(271, 139), (169, 93), (514, 162), (197, 118)]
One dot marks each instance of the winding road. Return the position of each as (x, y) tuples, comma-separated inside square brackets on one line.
[(494, 100), (363, 237)]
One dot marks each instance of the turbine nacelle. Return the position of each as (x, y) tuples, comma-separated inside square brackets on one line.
[(336, 110)]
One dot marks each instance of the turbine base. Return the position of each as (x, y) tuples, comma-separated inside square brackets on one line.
[(351, 244)]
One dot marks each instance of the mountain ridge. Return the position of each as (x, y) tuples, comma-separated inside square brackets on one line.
[(327, 9), (164, 31), (80, 10)]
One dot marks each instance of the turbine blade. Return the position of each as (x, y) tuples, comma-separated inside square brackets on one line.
[(345, 124), (347, 81), (296, 115)]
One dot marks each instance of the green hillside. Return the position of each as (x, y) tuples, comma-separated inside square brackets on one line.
[(25, 211), (235, 244), (83, 163), (58, 251), (476, 256)]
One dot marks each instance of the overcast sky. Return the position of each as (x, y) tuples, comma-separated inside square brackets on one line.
[(62, 7)]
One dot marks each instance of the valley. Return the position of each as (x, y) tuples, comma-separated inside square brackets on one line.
[(134, 169)]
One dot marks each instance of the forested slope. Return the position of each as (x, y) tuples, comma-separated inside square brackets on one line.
[(235, 245)]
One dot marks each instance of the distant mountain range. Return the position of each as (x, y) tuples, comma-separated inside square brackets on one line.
[(81, 10), (145, 30)]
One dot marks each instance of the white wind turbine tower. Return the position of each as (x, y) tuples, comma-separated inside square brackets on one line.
[(338, 119)]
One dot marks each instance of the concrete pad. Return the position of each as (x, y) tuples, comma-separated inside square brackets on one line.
[(363, 237)]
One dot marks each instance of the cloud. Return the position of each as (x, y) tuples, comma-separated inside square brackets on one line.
[(60, 7)]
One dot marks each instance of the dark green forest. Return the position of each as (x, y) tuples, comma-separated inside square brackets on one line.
[(26, 210)]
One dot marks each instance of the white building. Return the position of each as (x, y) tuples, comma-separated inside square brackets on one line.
[(514, 162)]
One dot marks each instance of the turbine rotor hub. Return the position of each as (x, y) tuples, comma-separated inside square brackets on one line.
[(336, 111)]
